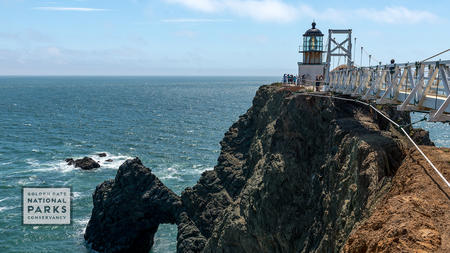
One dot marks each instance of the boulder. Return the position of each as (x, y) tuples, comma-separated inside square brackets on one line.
[(85, 163), (70, 161)]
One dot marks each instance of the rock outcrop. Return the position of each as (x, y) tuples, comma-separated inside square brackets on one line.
[(296, 173), (85, 163), (128, 210)]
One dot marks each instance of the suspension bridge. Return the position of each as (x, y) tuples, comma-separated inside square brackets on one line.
[(421, 86)]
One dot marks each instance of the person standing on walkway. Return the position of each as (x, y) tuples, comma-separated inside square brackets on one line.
[(317, 83)]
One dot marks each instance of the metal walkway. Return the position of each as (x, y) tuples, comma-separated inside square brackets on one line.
[(420, 87)]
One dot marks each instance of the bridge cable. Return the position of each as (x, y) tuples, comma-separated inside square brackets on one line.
[(420, 120), (394, 123), (367, 53), (436, 55)]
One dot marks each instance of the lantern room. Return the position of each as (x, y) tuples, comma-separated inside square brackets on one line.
[(312, 46)]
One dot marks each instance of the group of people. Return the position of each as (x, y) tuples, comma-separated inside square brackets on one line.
[(289, 79), (305, 79)]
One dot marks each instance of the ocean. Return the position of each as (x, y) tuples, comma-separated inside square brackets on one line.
[(173, 124)]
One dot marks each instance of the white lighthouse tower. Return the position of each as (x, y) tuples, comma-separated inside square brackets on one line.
[(312, 66)]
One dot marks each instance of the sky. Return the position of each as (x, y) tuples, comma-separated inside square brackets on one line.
[(206, 37)]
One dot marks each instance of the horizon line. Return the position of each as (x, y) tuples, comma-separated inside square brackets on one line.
[(102, 75)]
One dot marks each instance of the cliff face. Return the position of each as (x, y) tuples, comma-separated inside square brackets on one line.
[(296, 174), (414, 216)]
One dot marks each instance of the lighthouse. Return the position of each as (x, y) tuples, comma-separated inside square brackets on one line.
[(312, 66)]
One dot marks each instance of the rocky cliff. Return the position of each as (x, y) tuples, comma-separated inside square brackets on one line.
[(296, 173)]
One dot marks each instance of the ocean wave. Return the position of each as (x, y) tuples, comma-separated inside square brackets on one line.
[(1, 200), (176, 171), (115, 164), (28, 180), (6, 208), (76, 195), (32, 162), (81, 225), (63, 167)]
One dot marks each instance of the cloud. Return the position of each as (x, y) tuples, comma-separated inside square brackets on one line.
[(261, 10), (280, 11), (201, 5), (328, 14), (266, 10), (195, 20), (54, 51), (398, 14), (82, 9)]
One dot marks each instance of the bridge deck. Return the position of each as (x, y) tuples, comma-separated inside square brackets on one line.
[(413, 87)]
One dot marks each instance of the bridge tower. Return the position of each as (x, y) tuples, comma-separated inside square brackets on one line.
[(312, 50), (345, 46)]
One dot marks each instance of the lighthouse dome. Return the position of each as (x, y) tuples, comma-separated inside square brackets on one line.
[(313, 31)]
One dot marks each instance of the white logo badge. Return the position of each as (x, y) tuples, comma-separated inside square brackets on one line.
[(46, 206)]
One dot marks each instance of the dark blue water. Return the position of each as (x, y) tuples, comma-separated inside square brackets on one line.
[(173, 124)]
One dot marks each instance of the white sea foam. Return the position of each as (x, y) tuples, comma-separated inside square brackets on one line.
[(5, 163), (27, 181), (81, 224), (32, 162), (76, 195), (1, 200), (176, 171), (115, 164), (63, 167), (5, 208), (171, 173), (177, 177)]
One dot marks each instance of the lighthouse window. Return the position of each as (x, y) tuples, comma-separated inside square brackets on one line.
[(313, 43), (319, 44)]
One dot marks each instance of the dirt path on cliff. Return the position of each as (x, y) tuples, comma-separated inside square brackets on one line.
[(415, 214)]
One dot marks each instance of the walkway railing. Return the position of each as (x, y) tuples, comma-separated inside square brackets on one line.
[(420, 86)]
